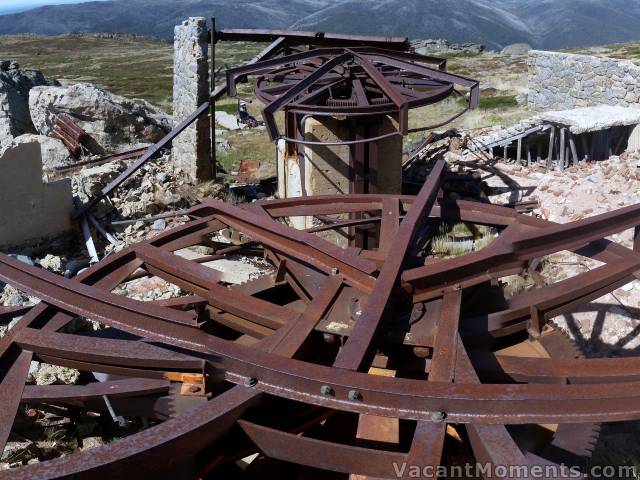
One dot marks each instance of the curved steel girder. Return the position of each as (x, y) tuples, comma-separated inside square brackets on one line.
[(301, 380)]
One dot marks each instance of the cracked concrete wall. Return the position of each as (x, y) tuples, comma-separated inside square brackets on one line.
[(31, 210), (561, 81), (192, 148)]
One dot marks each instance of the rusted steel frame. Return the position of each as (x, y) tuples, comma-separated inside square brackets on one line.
[(269, 111), (295, 333), (375, 109), (427, 445), (152, 152), (303, 246), (390, 223), (474, 212), (124, 371), (234, 73), (129, 353), (11, 388), (94, 391), (491, 444), (550, 301), (68, 294), (166, 449), (441, 63), (515, 248), (7, 313), (321, 454), (585, 402), (389, 90), (481, 403), (360, 345), (327, 209), (116, 157), (297, 37), (473, 85), (190, 302), (204, 282), (552, 370)]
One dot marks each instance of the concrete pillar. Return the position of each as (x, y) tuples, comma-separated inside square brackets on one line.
[(192, 148), (324, 169)]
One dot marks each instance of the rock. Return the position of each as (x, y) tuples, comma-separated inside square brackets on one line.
[(89, 181), (159, 224), (15, 85), (51, 263), (228, 121), (47, 374), (110, 120), (24, 259), (91, 442), (444, 47), (516, 49), (54, 153)]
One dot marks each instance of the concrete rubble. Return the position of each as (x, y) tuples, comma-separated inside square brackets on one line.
[(112, 121)]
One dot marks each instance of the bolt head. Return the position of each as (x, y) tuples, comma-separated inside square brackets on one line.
[(326, 390), (438, 417), (354, 395), (250, 382)]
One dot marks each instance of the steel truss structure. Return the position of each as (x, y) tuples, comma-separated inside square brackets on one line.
[(343, 360)]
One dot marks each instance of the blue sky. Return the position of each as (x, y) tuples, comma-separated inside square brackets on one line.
[(18, 5)]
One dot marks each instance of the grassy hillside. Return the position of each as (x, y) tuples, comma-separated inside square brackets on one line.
[(140, 67)]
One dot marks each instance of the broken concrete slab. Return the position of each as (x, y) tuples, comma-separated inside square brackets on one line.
[(54, 153), (592, 119), (31, 210)]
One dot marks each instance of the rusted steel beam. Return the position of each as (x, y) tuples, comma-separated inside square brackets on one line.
[(359, 347), (296, 37), (325, 309)]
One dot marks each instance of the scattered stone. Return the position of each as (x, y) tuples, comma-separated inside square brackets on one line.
[(47, 374), (91, 442), (52, 263), (159, 224)]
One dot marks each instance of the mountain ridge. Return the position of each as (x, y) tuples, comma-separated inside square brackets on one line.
[(549, 24)]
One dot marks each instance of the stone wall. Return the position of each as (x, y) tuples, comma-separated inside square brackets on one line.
[(31, 210), (192, 148), (560, 81)]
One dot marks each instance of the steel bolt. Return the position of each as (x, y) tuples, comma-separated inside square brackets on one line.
[(250, 382), (194, 389), (326, 390), (354, 395), (438, 417)]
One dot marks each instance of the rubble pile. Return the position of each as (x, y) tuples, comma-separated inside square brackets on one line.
[(584, 190)]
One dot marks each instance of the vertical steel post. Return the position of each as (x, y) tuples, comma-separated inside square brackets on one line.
[(213, 39)]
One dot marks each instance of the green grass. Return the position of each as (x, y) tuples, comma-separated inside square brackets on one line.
[(135, 67), (494, 102)]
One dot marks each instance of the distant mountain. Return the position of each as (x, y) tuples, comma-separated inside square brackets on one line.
[(542, 23)]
